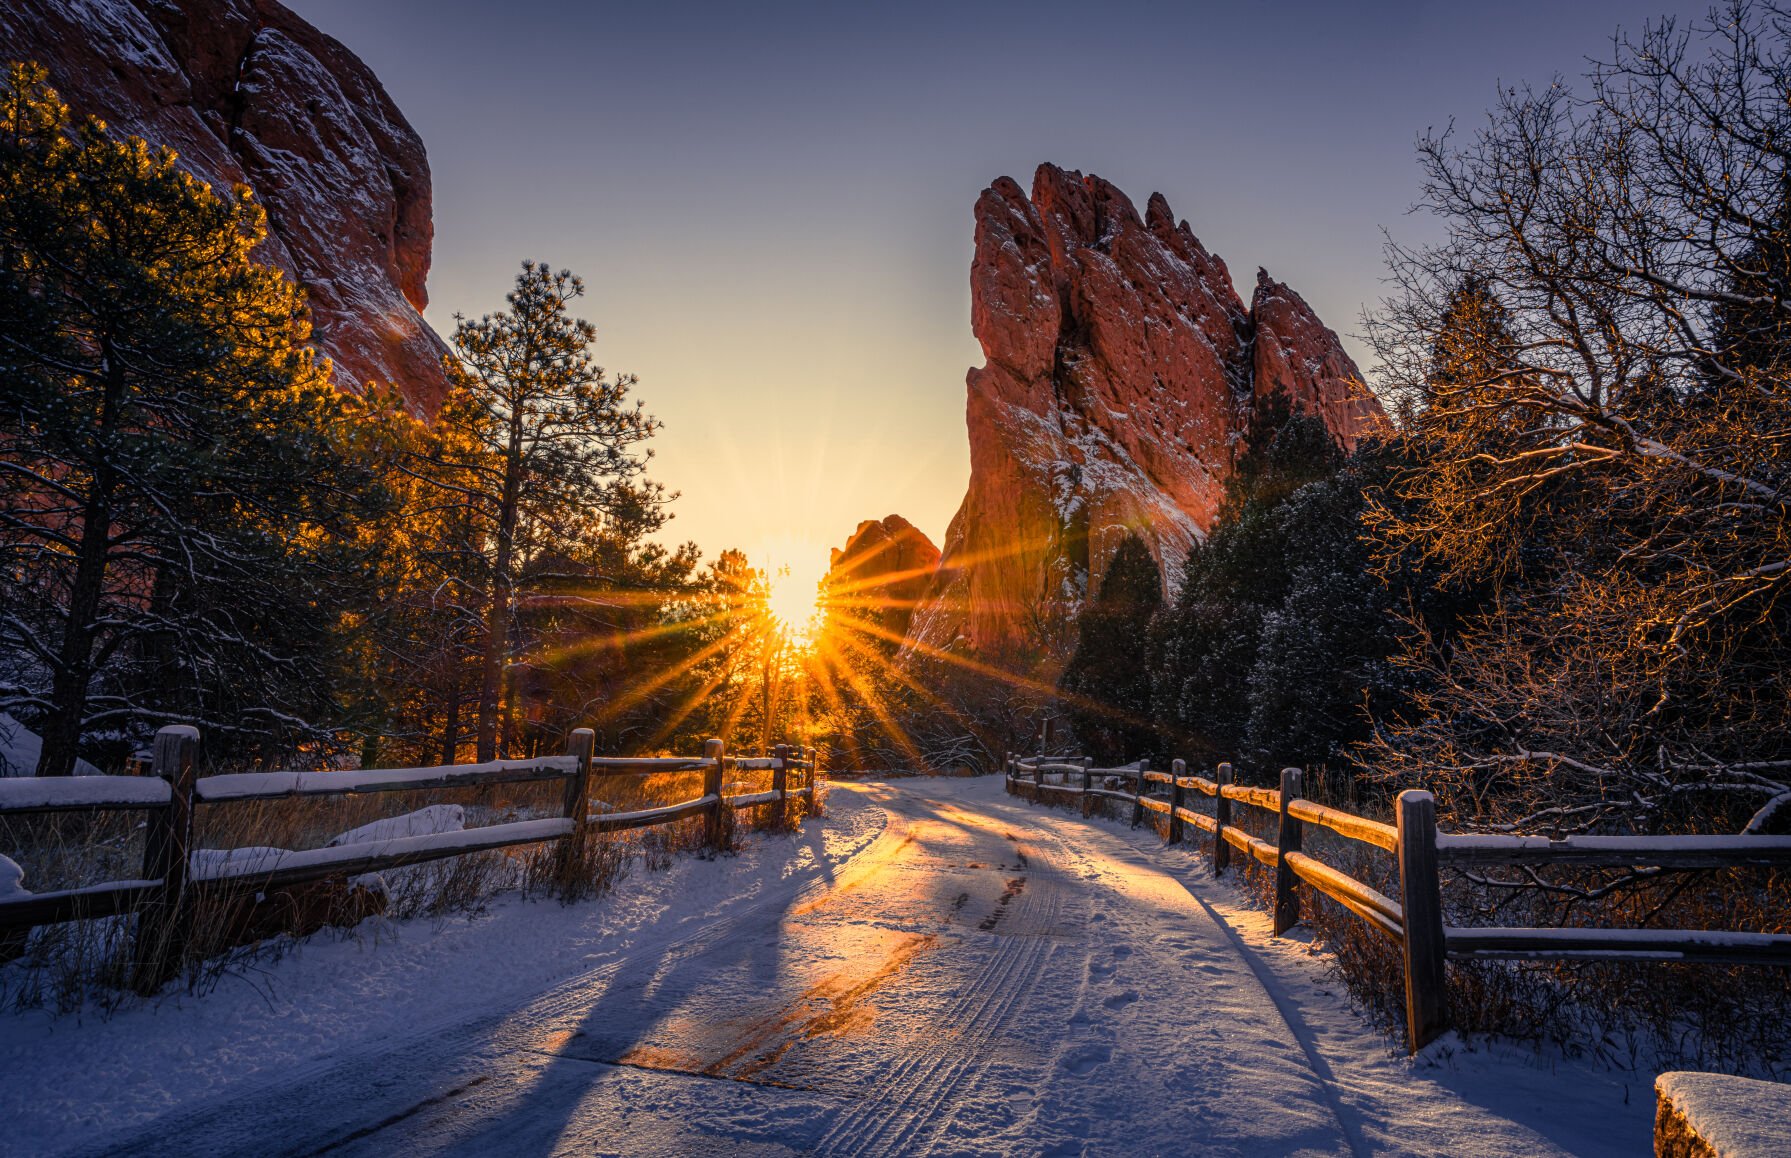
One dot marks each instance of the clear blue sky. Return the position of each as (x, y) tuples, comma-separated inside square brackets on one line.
[(772, 202)]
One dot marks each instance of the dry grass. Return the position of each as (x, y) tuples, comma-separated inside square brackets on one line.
[(239, 932)]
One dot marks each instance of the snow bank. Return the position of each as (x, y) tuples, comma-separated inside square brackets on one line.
[(20, 747), (210, 863), (12, 880), (431, 821)]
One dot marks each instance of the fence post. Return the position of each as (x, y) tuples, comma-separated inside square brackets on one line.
[(780, 784), (1222, 817), (1007, 773), (1287, 885), (713, 829), (808, 778), (1421, 898), (1087, 783), (1176, 769), (1038, 779), (1138, 792), (582, 743), (163, 925)]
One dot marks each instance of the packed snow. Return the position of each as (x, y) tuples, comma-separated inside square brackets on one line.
[(431, 821), (934, 968)]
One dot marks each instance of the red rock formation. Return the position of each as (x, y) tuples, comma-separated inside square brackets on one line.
[(245, 91), (1296, 353), (881, 573), (1120, 370)]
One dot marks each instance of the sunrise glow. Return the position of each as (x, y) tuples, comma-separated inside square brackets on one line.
[(793, 574)]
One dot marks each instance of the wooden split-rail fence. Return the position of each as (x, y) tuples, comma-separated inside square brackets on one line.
[(172, 792), (1414, 923)]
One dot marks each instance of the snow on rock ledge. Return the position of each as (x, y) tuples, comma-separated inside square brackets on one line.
[(1718, 1116)]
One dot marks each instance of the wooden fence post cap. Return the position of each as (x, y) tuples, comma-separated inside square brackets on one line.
[(1415, 796), (1179, 766), (178, 732)]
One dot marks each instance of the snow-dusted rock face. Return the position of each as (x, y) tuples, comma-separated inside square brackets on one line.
[(1120, 370), (245, 91), (881, 572)]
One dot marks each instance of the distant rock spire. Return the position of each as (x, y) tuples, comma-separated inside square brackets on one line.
[(1120, 371)]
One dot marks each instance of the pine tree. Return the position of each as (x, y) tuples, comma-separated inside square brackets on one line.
[(538, 441), (1206, 642), (1107, 682), (177, 479)]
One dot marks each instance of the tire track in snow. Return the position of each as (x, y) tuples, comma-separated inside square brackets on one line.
[(1323, 1078), (277, 1117), (910, 1108)]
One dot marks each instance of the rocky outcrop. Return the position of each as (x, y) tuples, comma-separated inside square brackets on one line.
[(1294, 352), (880, 575), (1120, 372), (246, 92)]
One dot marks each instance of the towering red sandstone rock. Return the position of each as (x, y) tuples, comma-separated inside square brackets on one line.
[(245, 91), (1294, 352), (1120, 370), (881, 572)]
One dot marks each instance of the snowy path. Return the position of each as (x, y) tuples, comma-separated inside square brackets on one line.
[(970, 975)]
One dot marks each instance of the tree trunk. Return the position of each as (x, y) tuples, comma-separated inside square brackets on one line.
[(451, 726), (497, 619), (510, 727), (74, 668)]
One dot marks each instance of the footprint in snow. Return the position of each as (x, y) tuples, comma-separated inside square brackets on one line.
[(1085, 1058), (1122, 999)]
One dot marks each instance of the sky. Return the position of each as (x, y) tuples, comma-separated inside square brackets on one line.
[(772, 202)]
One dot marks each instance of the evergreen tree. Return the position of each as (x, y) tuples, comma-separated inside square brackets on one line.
[(1321, 657), (538, 442), (1107, 682), (1206, 642), (177, 475)]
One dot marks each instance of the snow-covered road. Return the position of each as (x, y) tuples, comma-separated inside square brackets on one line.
[(949, 971)]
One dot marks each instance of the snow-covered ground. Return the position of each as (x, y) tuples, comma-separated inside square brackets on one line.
[(936, 968)]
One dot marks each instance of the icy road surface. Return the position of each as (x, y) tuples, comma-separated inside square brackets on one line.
[(946, 971)]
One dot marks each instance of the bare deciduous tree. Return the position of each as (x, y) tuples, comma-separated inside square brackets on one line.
[(1594, 363)]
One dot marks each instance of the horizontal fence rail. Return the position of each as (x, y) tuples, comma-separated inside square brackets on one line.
[(172, 875), (1414, 922)]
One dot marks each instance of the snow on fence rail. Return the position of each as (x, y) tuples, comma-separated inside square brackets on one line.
[(172, 872), (1414, 922)]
